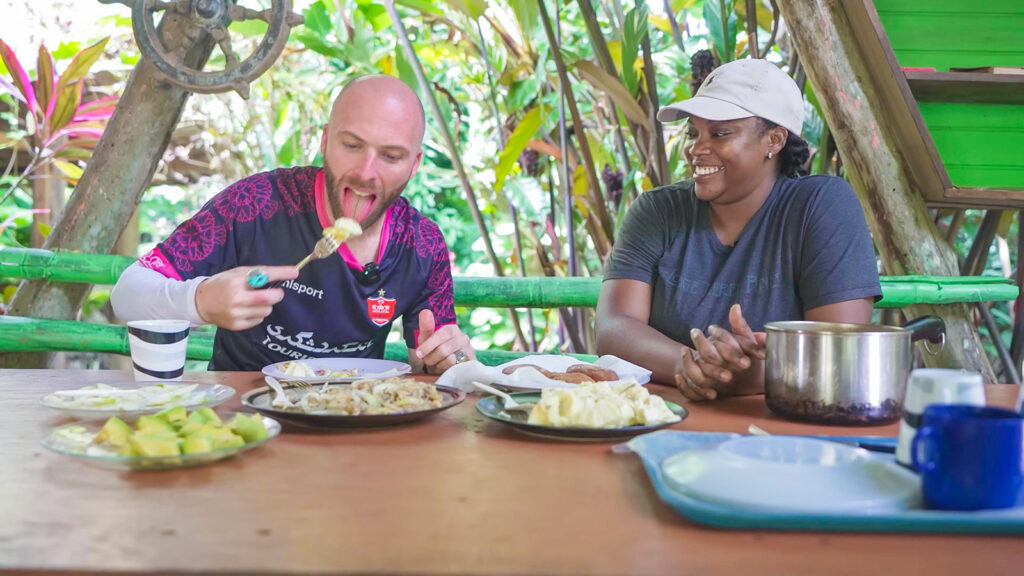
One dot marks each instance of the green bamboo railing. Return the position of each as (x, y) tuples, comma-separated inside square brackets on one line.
[(40, 335), (18, 334), (538, 292)]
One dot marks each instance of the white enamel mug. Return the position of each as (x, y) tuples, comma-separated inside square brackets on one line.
[(929, 386)]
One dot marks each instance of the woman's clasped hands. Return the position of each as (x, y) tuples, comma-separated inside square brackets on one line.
[(720, 359)]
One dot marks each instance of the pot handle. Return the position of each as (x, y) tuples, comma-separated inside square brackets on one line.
[(930, 328)]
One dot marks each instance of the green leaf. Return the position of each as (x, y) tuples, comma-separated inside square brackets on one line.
[(72, 172), (291, 149), (129, 58), (723, 38), (73, 153), (517, 142), (318, 22), (633, 32), (527, 13), (66, 50), (472, 8), (611, 86), (405, 70), (375, 14), (764, 15), (424, 6), (250, 28), (81, 63), (44, 229), (44, 81), (68, 100), (318, 45), (522, 93)]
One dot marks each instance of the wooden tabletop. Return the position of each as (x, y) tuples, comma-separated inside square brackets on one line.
[(456, 494)]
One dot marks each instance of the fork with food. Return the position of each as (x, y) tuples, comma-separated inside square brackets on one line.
[(333, 237)]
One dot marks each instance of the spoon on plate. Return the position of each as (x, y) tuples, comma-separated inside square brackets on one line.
[(509, 402), (882, 445)]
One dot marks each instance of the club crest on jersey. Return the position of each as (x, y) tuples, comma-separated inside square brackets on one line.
[(381, 309)]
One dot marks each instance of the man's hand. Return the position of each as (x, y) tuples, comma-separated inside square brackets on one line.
[(227, 301), (718, 358), (437, 347)]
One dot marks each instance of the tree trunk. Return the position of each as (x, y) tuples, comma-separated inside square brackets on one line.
[(904, 233), (117, 174), (47, 194)]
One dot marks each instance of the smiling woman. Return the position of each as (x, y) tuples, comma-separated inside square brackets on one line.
[(744, 243)]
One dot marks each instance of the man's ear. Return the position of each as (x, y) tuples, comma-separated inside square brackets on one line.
[(323, 142), (416, 163)]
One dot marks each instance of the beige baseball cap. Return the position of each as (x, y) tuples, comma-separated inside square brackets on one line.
[(741, 89)]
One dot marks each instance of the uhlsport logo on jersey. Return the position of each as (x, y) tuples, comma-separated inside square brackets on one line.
[(381, 309)]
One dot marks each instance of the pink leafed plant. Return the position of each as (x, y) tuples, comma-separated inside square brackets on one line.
[(60, 128)]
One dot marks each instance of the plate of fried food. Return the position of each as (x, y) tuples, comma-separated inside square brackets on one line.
[(545, 371), (323, 370), (360, 404)]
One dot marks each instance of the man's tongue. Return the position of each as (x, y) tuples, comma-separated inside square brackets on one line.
[(356, 205)]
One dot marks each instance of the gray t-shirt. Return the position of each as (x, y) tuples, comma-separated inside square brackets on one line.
[(807, 246)]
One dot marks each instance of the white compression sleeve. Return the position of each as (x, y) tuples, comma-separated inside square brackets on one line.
[(144, 294)]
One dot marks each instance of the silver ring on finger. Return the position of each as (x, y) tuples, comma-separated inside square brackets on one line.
[(461, 357)]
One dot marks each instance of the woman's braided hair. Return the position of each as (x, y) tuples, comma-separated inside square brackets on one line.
[(793, 156)]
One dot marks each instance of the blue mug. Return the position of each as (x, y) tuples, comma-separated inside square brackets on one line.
[(970, 457)]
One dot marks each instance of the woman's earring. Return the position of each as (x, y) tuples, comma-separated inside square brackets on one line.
[(770, 154)]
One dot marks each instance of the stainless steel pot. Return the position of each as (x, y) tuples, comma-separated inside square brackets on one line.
[(835, 373)]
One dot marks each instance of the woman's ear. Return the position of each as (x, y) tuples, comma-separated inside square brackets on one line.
[(777, 139)]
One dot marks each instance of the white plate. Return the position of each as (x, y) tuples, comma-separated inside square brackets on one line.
[(529, 379), (203, 395), (364, 368), (792, 474)]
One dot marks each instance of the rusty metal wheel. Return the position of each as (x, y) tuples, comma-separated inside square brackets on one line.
[(211, 17)]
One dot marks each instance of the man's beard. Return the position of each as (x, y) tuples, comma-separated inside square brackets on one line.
[(334, 188)]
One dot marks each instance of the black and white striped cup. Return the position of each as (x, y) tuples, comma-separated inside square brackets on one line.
[(158, 348)]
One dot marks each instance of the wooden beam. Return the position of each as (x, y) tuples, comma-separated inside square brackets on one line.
[(863, 96), (109, 190)]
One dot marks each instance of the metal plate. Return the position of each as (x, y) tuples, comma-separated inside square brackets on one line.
[(260, 398)]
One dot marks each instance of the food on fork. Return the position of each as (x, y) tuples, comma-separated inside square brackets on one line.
[(343, 229), (600, 405)]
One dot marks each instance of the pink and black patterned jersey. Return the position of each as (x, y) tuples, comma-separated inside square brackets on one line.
[(274, 219)]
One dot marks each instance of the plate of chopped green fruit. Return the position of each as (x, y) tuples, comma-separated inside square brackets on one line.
[(172, 438)]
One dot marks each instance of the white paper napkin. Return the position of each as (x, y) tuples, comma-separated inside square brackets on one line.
[(463, 375)]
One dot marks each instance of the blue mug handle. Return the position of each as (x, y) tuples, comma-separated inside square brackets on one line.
[(923, 435)]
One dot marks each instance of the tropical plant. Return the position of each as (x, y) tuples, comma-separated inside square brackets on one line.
[(59, 127)]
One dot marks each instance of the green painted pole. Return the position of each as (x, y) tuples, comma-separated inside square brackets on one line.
[(18, 334), (533, 292)]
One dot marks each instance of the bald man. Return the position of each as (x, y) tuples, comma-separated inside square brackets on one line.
[(338, 306)]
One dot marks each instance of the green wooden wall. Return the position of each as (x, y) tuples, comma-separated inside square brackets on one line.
[(979, 143), (982, 145), (944, 34)]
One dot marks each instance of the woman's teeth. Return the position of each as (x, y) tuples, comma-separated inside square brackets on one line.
[(705, 170)]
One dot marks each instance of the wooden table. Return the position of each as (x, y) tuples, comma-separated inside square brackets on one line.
[(456, 494)]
